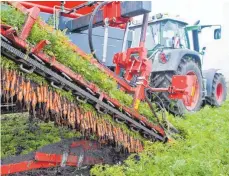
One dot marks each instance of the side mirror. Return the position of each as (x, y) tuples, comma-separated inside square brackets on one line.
[(217, 34), (197, 22)]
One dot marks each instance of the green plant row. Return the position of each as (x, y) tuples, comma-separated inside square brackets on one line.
[(65, 54), (19, 136), (202, 151)]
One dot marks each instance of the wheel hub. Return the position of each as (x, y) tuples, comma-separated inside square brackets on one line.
[(219, 92)]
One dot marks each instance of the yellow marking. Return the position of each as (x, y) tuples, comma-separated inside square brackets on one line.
[(193, 91), (136, 105)]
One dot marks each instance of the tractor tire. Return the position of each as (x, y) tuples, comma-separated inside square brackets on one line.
[(187, 66), (219, 91)]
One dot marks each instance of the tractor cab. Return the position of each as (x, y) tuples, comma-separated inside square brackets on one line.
[(173, 47), (162, 31), (170, 32)]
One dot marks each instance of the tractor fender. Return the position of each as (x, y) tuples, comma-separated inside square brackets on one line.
[(174, 57), (209, 76)]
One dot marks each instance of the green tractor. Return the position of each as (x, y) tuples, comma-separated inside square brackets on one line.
[(174, 48)]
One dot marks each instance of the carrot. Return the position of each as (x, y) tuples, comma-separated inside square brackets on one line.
[(38, 94), (69, 111), (13, 82), (64, 108), (20, 92), (50, 101), (73, 117), (17, 85), (77, 116), (58, 103), (8, 79), (34, 101), (45, 93), (47, 104), (27, 94), (41, 93), (3, 80)]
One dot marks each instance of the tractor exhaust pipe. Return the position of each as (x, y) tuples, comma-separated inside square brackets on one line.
[(143, 31)]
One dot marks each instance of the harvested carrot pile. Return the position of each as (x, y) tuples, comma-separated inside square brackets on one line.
[(48, 104)]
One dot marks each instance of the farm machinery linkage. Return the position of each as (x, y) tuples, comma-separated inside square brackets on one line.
[(32, 59)]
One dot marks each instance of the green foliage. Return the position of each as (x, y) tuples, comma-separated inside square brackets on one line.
[(19, 136), (203, 150), (11, 16)]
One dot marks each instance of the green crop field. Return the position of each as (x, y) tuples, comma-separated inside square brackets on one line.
[(202, 150)]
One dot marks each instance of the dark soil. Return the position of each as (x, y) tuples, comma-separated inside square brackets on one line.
[(108, 154)]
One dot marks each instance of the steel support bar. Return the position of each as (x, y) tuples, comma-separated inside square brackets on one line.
[(47, 9), (24, 166), (57, 159)]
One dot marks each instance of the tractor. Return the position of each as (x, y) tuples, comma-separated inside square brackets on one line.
[(169, 41), (173, 46)]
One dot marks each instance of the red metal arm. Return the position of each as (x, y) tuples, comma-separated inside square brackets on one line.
[(47, 160)]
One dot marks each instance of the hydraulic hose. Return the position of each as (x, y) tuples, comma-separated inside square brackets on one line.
[(90, 28), (162, 108)]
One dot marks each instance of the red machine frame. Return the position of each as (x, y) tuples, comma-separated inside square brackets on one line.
[(181, 87), (48, 160)]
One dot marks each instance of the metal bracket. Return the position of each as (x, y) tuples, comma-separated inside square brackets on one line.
[(105, 41), (56, 86), (134, 128), (81, 99), (98, 108), (119, 120), (64, 159), (29, 71)]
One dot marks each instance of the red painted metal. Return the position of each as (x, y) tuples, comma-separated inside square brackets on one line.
[(85, 144), (55, 158), (219, 92), (24, 166), (48, 9), (46, 160), (68, 5), (10, 33), (32, 16), (135, 62), (186, 88), (133, 65), (112, 11), (40, 46), (195, 91)]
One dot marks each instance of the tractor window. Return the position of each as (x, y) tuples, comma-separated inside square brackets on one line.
[(183, 37), (173, 34), (152, 36)]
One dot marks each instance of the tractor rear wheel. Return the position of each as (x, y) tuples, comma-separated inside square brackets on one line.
[(219, 90), (187, 66)]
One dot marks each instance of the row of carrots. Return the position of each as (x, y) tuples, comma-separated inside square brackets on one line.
[(47, 104)]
